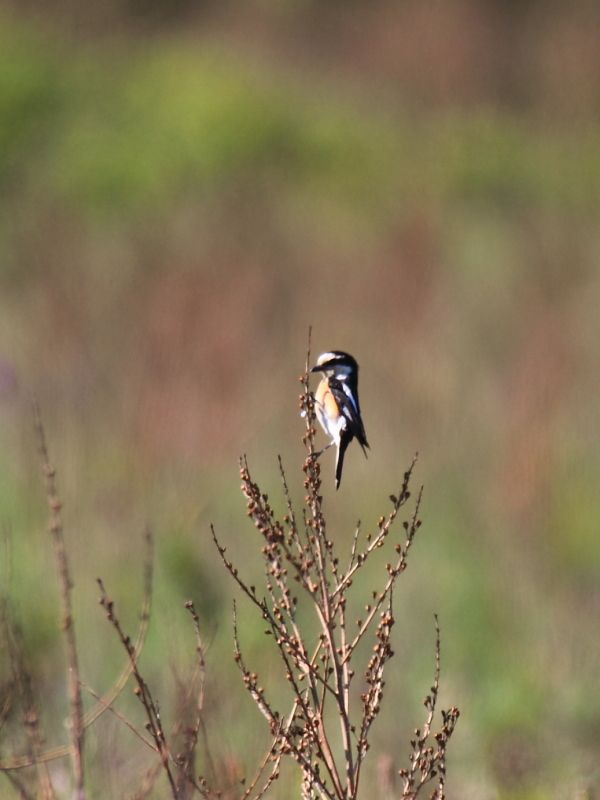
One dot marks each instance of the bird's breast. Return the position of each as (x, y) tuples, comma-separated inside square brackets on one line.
[(328, 412), (326, 402)]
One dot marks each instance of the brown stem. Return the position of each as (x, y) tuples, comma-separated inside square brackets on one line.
[(77, 729)]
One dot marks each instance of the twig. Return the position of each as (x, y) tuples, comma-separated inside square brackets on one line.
[(142, 690), (298, 751), (106, 700), (66, 586), (185, 759), (330, 761), (23, 681), (428, 761), (121, 717), (393, 571), (21, 676)]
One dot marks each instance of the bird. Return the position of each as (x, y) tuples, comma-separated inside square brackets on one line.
[(336, 404)]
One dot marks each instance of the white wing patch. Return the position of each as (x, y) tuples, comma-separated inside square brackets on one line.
[(349, 395)]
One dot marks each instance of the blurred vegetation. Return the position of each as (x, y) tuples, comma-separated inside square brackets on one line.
[(181, 195)]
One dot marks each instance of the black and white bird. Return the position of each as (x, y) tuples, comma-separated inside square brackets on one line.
[(336, 404)]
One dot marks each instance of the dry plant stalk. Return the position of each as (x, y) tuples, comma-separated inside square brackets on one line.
[(23, 694), (187, 727), (142, 690), (76, 726), (302, 565), (190, 718), (40, 757), (179, 767), (21, 690), (428, 760)]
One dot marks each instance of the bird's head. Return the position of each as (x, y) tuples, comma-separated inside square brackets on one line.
[(336, 363)]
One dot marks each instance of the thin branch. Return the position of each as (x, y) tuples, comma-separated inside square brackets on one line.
[(195, 694), (426, 760), (106, 700), (312, 559), (77, 730), (273, 718), (393, 572), (21, 676), (22, 679), (142, 690), (358, 559), (274, 754), (121, 717)]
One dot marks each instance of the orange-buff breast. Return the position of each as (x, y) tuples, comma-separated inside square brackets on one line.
[(326, 400)]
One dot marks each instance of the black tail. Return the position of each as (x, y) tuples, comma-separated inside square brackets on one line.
[(339, 462)]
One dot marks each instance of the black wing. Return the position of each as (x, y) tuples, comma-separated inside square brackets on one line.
[(348, 404)]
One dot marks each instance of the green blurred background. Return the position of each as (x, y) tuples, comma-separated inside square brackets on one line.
[(184, 189)]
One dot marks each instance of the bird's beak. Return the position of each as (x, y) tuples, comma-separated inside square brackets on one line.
[(317, 369)]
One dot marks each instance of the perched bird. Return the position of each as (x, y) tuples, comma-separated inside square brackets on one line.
[(336, 404)]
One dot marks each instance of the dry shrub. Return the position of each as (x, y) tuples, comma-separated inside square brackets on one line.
[(328, 714), (326, 727)]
